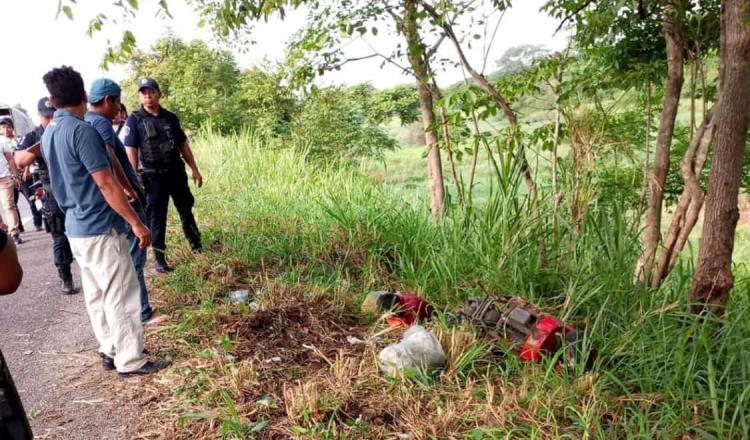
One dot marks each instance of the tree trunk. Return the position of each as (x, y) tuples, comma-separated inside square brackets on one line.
[(416, 52), (672, 27), (690, 203), (713, 278)]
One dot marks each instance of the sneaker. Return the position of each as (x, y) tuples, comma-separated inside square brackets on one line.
[(39, 228), (108, 363), (149, 367), (155, 320), (17, 239)]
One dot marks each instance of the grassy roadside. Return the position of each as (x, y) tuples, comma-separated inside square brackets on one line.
[(310, 240)]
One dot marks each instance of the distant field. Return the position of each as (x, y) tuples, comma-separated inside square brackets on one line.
[(405, 171)]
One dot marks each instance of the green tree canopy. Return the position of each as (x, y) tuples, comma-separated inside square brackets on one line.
[(197, 82)]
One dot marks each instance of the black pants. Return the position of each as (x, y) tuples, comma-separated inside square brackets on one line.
[(159, 188), (55, 219), (27, 193)]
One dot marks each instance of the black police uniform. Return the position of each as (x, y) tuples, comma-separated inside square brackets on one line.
[(159, 139), (54, 217)]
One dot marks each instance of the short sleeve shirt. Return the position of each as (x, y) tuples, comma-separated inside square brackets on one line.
[(73, 151), (29, 141), (4, 166), (107, 132), (166, 120), (31, 138)]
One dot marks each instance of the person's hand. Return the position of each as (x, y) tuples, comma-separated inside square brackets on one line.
[(143, 235), (197, 178), (132, 196)]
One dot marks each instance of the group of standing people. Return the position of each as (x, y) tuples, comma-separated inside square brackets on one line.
[(106, 201)]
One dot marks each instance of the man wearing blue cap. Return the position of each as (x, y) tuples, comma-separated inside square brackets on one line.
[(157, 146), (98, 217), (29, 151), (104, 106)]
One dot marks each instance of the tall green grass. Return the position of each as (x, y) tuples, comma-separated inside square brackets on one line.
[(661, 371)]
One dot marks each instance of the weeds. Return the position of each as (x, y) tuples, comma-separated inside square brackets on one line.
[(310, 240)]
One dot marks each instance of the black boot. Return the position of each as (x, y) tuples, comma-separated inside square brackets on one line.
[(66, 277), (160, 263)]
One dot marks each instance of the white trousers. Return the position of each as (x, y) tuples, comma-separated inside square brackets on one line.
[(113, 297)]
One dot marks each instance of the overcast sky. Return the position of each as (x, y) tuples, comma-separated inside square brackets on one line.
[(36, 41)]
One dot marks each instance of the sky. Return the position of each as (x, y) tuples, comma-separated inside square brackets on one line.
[(36, 41)]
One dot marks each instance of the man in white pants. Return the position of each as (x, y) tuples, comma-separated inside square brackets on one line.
[(97, 214)]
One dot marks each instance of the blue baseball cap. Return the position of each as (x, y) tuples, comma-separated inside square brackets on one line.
[(103, 87), (148, 83), (45, 107)]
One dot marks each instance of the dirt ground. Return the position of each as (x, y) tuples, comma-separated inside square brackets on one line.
[(51, 352)]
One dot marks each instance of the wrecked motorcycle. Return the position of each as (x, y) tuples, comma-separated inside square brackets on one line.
[(526, 329)]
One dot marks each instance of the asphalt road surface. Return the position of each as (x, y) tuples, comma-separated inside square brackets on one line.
[(51, 352)]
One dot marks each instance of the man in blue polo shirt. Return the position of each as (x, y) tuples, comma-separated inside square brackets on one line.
[(104, 105), (97, 214)]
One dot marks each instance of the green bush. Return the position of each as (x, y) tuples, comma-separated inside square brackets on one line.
[(198, 83)]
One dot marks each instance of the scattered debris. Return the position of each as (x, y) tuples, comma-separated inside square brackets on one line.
[(265, 401), (525, 328), (419, 348), (241, 296), (401, 309), (352, 340), (273, 360)]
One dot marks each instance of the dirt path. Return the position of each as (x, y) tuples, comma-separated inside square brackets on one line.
[(49, 346)]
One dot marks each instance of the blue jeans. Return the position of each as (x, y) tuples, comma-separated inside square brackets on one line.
[(138, 256)]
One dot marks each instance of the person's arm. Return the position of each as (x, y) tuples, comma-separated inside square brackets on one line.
[(10, 268), (116, 199), (24, 158), (187, 154), (121, 177), (132, 141), (132, 153)]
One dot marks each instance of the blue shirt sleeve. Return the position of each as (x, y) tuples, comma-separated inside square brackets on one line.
[(132, 138), (90, 148), (105, 130)]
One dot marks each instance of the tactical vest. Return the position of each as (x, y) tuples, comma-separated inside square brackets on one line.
[(158, 152)]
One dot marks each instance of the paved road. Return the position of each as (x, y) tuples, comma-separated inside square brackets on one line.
[(50, 349)]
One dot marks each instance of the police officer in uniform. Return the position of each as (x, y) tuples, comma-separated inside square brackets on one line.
[(54, 218), (156, 146)]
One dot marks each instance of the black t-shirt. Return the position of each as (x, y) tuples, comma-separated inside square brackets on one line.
[(3, 239), (29, 141), (166, 122)]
